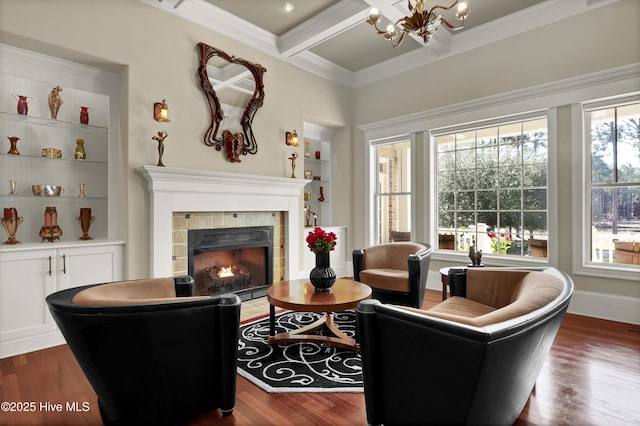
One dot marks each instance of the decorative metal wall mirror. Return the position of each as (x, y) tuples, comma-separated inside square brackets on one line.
[(237, 84)]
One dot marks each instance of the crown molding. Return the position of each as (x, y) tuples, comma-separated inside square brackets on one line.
[(584, 88)]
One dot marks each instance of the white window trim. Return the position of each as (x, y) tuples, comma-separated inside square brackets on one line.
[(552, 191), (600, 85), (371, 212), (581, 155)]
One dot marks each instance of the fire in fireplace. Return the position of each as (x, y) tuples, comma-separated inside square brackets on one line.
[(238, 260)]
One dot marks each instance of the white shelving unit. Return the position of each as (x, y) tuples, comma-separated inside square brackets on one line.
[(34, 269), (320, 171)]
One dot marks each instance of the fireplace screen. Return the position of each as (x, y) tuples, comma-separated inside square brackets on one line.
[(238, 260)]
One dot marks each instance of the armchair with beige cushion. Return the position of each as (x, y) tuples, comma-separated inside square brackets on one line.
[(396, 272), (470, 359), (153, 353)]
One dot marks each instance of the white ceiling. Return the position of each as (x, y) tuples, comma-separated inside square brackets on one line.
[(332, 39)]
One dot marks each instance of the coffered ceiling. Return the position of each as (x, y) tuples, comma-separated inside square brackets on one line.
[(331, 37)]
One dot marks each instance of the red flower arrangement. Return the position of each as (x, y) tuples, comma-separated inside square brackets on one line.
[(500, 245), (320, 241)]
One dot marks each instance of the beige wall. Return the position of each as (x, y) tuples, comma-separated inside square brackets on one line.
[(154, 53), (602, 39)]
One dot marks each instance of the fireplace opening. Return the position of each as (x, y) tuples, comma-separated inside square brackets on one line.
[(238, 260)]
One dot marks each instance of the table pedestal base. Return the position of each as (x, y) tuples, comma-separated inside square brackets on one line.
[(339, 339)]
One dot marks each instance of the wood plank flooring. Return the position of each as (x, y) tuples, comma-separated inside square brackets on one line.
[(592, 377)]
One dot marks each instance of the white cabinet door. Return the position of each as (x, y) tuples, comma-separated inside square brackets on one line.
[(26, 278), (88, 265)]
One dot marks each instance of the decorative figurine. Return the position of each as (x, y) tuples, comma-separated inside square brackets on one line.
[(293, 164), (233, 144), (475, 256), (81, 153), (55, 102), (160, 137)]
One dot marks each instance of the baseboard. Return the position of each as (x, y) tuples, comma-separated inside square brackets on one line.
[(606, 306), (598, 305), (31, 344)]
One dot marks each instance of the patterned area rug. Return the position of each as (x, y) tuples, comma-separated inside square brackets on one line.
[(299, 367)]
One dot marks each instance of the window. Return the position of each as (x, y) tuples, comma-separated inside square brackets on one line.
[(492, 188), (393, 192), (613, 187)]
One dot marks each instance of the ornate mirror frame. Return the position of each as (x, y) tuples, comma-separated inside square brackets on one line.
[(239, 143)]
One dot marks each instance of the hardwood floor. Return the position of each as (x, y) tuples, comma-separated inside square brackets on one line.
[(592, 377)]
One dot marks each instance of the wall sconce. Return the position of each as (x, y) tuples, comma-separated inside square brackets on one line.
[(291, 138), (161, 111)]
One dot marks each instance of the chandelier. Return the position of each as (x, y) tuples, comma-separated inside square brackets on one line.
[(421, 23)]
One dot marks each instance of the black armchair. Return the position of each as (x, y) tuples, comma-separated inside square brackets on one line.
[(396, 272), (150, 356), (466, 361)]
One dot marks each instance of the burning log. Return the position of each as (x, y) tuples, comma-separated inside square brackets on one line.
[(219, 279)]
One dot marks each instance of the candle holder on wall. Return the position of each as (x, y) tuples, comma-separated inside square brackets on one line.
[(161, 112)]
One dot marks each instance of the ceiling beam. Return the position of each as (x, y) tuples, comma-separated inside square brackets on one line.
[(326, 24)]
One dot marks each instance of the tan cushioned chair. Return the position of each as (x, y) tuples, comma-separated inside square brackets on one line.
[(496, 295), (396, 272)]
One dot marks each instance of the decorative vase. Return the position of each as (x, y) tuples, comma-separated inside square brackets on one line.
[(85, 219), (12, 187), (23, 103), (307, 153), (82, 186), (84, 113), (317, 155), (13, 140), (50, 231), (322, 276), (10, 222), (321, 197)]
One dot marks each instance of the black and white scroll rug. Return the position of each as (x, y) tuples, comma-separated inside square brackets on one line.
[(299, 367)]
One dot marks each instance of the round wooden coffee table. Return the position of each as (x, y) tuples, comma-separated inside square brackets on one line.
[(299, 295)]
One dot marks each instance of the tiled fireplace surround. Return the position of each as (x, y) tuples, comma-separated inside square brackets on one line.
[(221, 200)]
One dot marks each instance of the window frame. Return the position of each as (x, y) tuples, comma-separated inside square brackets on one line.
[(372, 206), (582, 185), (552, 210), (559, 96)]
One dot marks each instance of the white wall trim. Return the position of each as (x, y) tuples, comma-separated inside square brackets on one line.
[(606, 306), (173, 189), (612, 82)]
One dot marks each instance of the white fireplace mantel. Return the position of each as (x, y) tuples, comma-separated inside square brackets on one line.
[(173, 189)]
